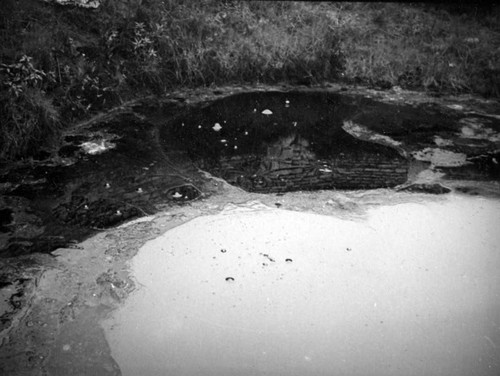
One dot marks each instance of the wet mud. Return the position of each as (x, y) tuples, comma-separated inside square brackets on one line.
[(287, 141), (129, 162), (70, 223), (407, 288)]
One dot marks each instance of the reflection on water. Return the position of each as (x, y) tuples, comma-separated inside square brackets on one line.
[(275, 142), (413, 289)]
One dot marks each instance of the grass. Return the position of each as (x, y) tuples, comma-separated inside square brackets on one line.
[(423, 49), (30, 125), (93, 59)]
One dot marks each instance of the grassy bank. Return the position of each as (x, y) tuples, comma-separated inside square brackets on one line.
[(60, 63)]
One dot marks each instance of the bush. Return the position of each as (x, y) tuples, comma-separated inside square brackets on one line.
[(219, 42), (83, 61), (29, 120)]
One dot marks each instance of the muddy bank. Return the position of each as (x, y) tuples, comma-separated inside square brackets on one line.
[(58, 332), (129, 164), (138, 157)]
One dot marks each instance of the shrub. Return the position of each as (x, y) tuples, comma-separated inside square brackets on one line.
[(29, 120), (83, 61)]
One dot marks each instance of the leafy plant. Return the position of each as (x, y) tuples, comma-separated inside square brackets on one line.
[(17, 77), (29, 118)]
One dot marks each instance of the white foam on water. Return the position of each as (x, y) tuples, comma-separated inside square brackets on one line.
[(412, 290)]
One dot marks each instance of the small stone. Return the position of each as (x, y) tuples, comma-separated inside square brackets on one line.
[(66, 347), (267, 112), (217, 127), (288, 260), (229, 279), (223, 250)]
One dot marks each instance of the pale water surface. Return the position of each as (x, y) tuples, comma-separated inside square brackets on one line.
[(412, 289)]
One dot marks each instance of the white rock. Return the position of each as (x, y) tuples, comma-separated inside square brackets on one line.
[(97, 147), (217, 127), (267, 112)]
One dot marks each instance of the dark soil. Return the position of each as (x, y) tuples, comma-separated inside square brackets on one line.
[(151, 148)]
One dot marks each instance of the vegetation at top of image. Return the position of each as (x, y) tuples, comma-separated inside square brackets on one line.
[(60, 64)]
